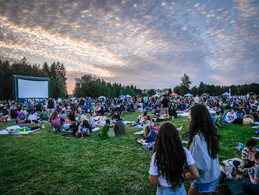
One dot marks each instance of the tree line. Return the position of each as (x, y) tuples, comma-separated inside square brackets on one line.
[(90, 85), (56, 72), (214, 90)]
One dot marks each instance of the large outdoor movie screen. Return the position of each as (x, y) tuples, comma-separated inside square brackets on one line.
[(27, 87)]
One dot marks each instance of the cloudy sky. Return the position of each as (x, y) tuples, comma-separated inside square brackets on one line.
[(148, 43)]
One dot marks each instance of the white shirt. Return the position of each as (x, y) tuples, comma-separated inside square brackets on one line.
[(196, 100), (154, 171), (32, 117)]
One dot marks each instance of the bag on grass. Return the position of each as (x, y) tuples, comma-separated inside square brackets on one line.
[(111, 133)]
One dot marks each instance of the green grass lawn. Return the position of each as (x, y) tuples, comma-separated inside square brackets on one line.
[(44, 162)]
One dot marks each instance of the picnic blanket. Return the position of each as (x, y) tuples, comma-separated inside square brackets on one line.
[(235, 187), (17, 130), (139, 132), (183, 114), (95, 129), (24, 124)]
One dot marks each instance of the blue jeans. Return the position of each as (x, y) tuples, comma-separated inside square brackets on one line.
[(250, 187), (170, 191), (205, 187)]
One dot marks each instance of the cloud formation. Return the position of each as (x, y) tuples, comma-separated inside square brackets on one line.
[(145, 43)]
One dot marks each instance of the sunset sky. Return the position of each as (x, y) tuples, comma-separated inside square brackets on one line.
[(147, 43)]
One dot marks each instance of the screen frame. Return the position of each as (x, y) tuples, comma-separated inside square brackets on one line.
[(17, 77)]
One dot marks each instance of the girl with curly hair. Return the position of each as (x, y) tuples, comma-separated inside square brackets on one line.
[(169, 162), (204, 147)]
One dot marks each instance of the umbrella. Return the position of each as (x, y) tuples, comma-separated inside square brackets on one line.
[(102, 97), (128, 96)]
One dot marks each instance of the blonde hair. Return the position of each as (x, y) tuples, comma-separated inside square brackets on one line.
[(147, 131)]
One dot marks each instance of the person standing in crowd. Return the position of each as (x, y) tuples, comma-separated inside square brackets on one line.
[(51, 106), (197, 99), (165, 106), (169, 162), (204, 146)]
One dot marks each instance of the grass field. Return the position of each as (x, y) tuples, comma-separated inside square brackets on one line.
[(43, 162)]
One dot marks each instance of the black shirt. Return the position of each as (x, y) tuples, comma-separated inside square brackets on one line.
[(165, 102)]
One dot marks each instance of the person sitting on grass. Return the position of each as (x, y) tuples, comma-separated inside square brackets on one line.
[(13, 113), (105, 129), (83, 129), (248, 162), (231, 116), (146, 122), (169, 162), (119, 127), (91, 121), (148, 136), (30, 119), (44, 115), (157, 113), (252, 186), (55, 121)]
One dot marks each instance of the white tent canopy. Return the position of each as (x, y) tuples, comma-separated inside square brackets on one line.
[(188, 95), (156, 95), (226, 93), (101, 97)]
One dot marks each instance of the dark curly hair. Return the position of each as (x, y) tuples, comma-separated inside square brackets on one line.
[(251, 143), (170, 156), (201, 121)]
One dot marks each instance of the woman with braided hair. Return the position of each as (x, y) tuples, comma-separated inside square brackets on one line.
[(204, 147), (169, 162)]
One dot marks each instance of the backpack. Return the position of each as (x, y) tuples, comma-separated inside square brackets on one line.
[(111, 133), (51, 104)]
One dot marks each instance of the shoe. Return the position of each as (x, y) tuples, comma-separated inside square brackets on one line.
[(180, 129)]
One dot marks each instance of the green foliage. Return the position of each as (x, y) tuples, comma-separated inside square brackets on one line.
[(219, 90), (214, 90), (43, 162), (151, 92), (90, 85), (56, 72)]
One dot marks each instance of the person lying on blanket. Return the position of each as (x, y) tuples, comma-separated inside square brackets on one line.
[(30, 119)]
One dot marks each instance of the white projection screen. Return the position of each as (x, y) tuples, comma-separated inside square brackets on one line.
[(31, 87)]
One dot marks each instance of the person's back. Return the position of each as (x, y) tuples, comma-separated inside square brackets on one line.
[(119, 126)]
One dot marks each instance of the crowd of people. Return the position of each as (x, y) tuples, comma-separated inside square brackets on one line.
[(171, 163)]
